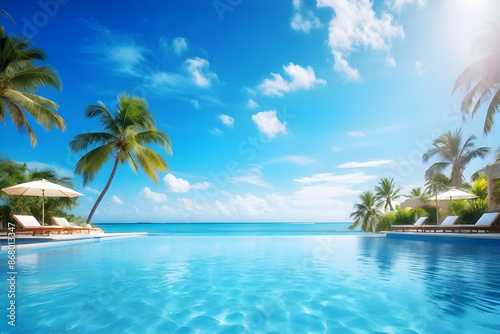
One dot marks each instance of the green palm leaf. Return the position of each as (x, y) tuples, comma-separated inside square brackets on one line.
[(20, 78), (124, 136)]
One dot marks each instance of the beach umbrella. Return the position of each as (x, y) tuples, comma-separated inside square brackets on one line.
[(416, 202), (452, 194), (41, 188)]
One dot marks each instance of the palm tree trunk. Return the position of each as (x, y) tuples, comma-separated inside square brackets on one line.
[(103, 192)]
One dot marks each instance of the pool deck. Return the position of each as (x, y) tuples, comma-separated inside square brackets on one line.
[(26, 241)]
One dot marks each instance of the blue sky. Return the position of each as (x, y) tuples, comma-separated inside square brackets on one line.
[(278, 111)]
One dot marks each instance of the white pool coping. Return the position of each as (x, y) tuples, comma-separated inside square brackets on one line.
[(66, 239)]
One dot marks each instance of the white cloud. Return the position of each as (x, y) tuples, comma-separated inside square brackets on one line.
[(297, 4), (165, 210), (419, 68), (222, 208), (320, 195), (115, 200), (180, 45), (195, 103), (215, 131), (342, 179), (302, 160), (200, 72), (176, 185), (202, 185), (179, 185), (390, 61), (249, 205), (126, 56), (355, 26), (152, 196), (93, 191), (250, 176), (374, 163), (252, 104), (269, 124), (227, 120), (301, 78), (305, 22), (121, 52), (398, 4), (60, 171), (187, 207), (355, 133)]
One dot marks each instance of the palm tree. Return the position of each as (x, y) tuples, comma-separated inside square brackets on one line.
[(19, 79), (436, 183), (4, 13), (416, 192), (453, 152), (123, 139), (481, 79), (387, 192), (366, 213)]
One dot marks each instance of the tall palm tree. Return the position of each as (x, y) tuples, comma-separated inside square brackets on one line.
[(123, 138), (387, 192), (19, 80), (481, 79), (454, 153), (366, 213)]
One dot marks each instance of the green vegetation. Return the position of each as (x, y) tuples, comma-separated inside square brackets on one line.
[(123, 139), (20, 78), (366, 213), (387, 192), (454, 153), (12, 173)]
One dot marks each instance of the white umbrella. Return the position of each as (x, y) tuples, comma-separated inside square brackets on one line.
[(41, 188), (450, 195), (454, 193)]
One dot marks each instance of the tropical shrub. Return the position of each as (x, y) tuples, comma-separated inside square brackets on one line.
[(385, 221), (469, 211), (404, 217)]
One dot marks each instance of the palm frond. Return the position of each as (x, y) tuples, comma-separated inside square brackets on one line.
[(44, 116), (91, 163), (150, 162), (84, 140), (19, 119)]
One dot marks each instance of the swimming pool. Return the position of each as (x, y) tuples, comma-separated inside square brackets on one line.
[(259, 284)]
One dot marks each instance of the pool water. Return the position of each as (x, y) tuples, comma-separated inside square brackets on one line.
[(258, 284)]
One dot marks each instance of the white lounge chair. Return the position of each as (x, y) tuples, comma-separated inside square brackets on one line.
[(447, 222), (418, 224), (30, 224), (61, 221)]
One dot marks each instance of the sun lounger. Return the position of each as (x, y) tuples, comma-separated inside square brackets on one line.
[(64, 222), (447, 222), (30, 224), (485, 223), (415, 227)]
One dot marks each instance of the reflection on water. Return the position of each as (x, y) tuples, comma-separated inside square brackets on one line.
[(260, 284)]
